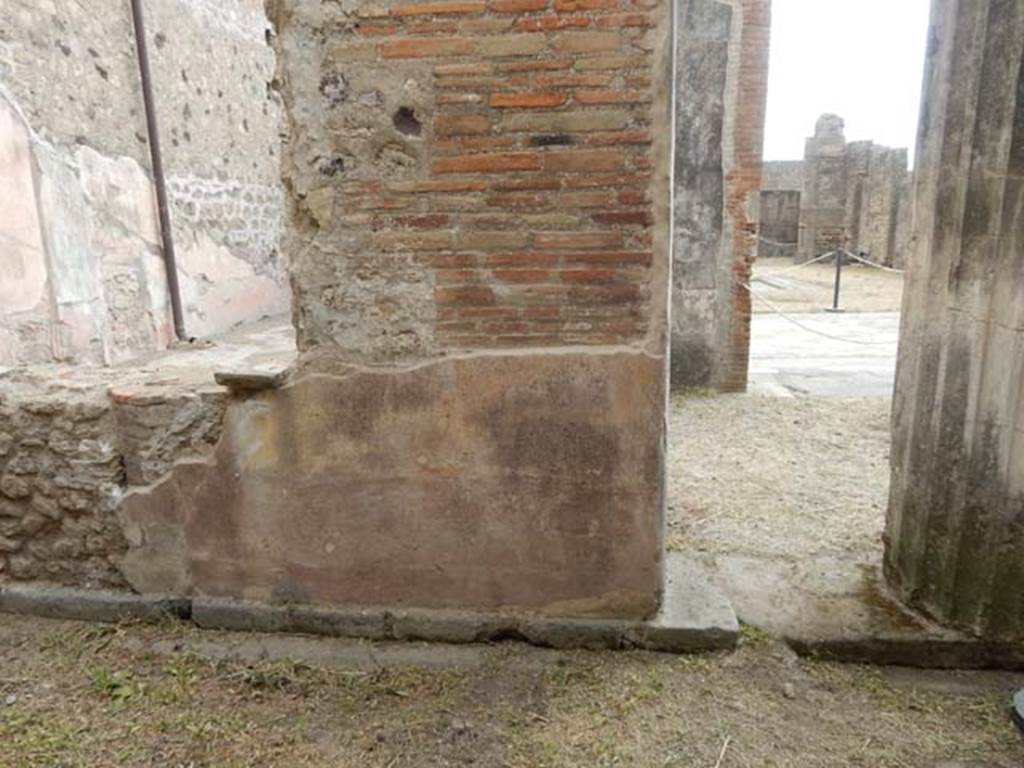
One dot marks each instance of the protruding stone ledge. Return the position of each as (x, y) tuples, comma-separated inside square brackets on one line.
[(252, 379), (695, 618)]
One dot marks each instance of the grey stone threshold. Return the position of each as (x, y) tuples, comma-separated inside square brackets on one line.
[(695, 617), (924, 652), (840, 609)]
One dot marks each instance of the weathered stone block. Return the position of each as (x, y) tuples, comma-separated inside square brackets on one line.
[(530, 482)]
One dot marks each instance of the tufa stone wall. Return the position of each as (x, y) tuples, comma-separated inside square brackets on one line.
[(479, 247), (721, 75), (59, 475), (82, 277)]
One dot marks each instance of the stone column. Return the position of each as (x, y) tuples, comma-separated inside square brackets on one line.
[(721, 93), (955, 537)]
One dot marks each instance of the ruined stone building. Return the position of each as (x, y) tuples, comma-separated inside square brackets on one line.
[(473, 202), (857, 192)]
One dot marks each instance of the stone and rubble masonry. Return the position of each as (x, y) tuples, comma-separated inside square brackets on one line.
[(72, 442), (722, 80), (479, 250), (81, 275), (485, 170)]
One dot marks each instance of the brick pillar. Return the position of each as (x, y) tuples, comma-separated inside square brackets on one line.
[(721, 94), (955, 531), (479, 251)]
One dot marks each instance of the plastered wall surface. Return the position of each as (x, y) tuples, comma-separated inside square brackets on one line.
[(72, 130)]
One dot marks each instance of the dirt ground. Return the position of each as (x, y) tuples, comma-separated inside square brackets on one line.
[(780, 477), (93, 695), (809, 289)]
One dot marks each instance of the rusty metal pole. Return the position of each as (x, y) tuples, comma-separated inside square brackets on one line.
[(159, 179)]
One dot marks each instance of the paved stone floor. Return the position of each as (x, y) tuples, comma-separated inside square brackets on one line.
[(824, 354)]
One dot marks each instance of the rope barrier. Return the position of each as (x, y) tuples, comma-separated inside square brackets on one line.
[(874, 264), (776, 243), (781, 313), (802, 264)]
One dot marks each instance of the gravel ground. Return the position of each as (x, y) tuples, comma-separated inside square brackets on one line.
[(778, 477), (78, 695), (809, 289)]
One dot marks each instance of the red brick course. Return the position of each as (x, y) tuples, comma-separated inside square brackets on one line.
[(531, 203), (745, 181)]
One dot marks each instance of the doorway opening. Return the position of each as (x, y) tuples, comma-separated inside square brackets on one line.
[(781, 492)]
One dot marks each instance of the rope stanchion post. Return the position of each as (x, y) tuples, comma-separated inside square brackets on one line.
[(839, 277)]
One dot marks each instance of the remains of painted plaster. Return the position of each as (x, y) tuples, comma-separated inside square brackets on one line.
[(955, 532), (479, 251), (722, 77), (858, 192), (85, 281)]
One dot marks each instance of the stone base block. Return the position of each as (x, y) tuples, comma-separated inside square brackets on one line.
[(695, 617)]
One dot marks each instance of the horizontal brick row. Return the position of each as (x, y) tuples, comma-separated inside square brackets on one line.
[(528, 203)]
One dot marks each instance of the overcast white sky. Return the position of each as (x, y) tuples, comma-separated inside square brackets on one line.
[(860, 59)]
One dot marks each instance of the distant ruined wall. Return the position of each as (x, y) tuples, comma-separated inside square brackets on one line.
[(777, 209), (721, 92), (81, 276), (859, 191), (783, 175), (779, 230), (823, 205)]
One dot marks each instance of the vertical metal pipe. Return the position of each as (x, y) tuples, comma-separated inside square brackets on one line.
[(159, 180)]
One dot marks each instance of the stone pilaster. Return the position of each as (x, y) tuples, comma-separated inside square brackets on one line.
[(955, 539)]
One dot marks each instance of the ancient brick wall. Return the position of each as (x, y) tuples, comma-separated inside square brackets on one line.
[(484, 169), (743, 178), (479, 248), (84, 280)]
